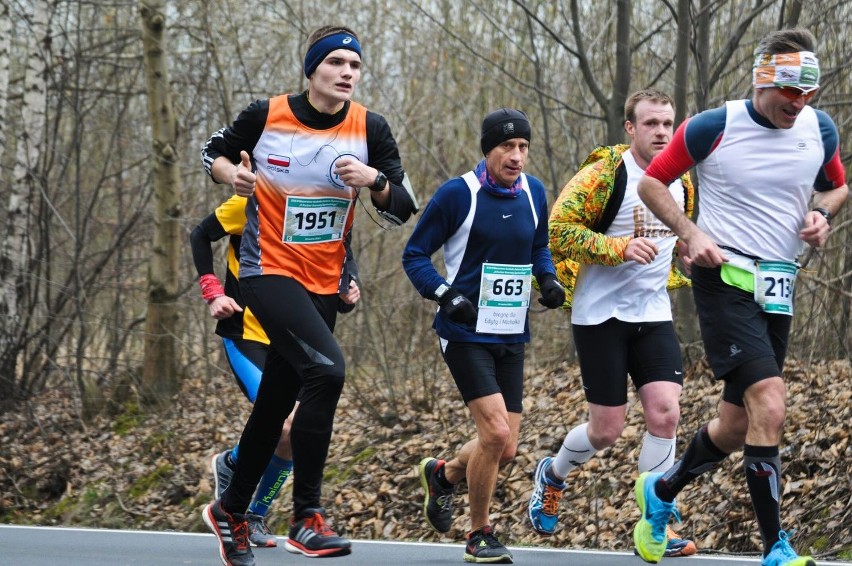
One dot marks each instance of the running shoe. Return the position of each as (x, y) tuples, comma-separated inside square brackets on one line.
[(438, 502), (544, 503), (782, 554), (232, 532), (676, 546), (312, 537), (222, 473), (259, 533), (483, 547), (649, 534)]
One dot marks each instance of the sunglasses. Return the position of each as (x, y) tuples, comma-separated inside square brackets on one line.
[(793, 93)]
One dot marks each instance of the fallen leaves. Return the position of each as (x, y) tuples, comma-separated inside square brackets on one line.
[(54, 470)]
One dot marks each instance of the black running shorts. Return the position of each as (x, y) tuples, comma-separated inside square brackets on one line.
[(480, 369), (744, 344), (610, 351)]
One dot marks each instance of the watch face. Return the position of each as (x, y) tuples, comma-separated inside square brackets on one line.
[(379, 183)]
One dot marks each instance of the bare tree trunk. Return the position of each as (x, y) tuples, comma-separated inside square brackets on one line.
[(621, 84), (790, 15), (702, 55), (159, 371), (5, 55), (16, 247), (681, 60), (686, 321)]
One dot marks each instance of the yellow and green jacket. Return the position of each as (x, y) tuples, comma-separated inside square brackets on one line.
[(585, 209)]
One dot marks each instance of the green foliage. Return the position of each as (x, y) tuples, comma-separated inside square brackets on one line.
[(151, 481), (127, 420)]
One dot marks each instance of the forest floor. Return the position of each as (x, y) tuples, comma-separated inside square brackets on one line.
[(127, 470)]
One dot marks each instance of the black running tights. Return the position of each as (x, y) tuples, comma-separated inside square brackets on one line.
[(304, 355)]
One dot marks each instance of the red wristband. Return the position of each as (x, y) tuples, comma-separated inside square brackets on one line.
[(210, 287)]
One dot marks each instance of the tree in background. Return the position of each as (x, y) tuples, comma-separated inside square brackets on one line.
[(159, 370)]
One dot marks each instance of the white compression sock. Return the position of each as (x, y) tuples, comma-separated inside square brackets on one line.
[(657, 454), (575, 450)]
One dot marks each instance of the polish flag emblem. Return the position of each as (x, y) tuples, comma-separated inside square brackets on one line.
[(279, 160)]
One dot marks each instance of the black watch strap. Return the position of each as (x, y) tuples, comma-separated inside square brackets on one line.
[(379, 183), (824, 212)]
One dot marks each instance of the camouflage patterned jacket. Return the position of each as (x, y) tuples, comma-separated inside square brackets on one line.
[(585, 209)]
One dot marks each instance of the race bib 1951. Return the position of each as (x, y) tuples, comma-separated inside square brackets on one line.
[(310, 220)]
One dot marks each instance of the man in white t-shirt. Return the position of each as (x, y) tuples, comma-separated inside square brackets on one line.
[(771, 179), (622, 257)]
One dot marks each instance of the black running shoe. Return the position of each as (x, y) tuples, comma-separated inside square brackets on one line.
[(483, 547), (222, 473), (438, 502), (232, 532), (259, 533), (312, 537)]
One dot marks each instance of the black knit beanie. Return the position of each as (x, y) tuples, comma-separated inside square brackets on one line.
[(501, 125)]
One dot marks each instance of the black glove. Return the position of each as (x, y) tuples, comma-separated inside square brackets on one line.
[(552, 293), (457, 307)]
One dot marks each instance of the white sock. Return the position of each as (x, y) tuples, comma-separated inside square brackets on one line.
[(657, 454), (575, 450)]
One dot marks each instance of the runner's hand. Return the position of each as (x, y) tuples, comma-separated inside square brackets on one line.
[(641, 250), (244, 180), (552, 293), (458, 308)]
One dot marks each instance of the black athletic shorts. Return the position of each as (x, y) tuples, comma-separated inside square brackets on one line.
[(744, 344), (480, 369), (610, 351)]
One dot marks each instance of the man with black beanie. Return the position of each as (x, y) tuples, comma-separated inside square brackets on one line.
[(492, 225)]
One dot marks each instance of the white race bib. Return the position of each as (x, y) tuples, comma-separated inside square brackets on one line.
[(311, 220), (504, 298), (774, 282)]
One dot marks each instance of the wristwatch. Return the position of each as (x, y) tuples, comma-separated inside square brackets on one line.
[(441, 291), (379, 183), (825, 213)]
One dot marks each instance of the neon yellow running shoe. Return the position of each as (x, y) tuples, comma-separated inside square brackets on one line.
[(649, 534)]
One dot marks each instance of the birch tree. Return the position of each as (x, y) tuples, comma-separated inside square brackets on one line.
[(16, 248)]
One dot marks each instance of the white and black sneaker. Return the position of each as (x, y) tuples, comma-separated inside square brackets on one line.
[(312, 537), (232, 532)]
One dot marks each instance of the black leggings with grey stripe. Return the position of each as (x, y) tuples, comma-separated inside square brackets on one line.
[(304, 355)]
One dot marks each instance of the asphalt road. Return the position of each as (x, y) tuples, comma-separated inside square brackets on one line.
[(53, 546)]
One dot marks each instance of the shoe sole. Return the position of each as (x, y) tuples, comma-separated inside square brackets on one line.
[(268, 544), (529, 505), (296, 548), (688, 550), (216, 492), (207, 515), (424, 481), (504, 559)]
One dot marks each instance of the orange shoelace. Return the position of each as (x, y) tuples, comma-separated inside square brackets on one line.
[(552, 497), (317, 524), (240, 534)]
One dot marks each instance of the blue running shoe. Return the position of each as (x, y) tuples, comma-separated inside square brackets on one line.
[(544, 503), (782, 554), (649, 535)]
